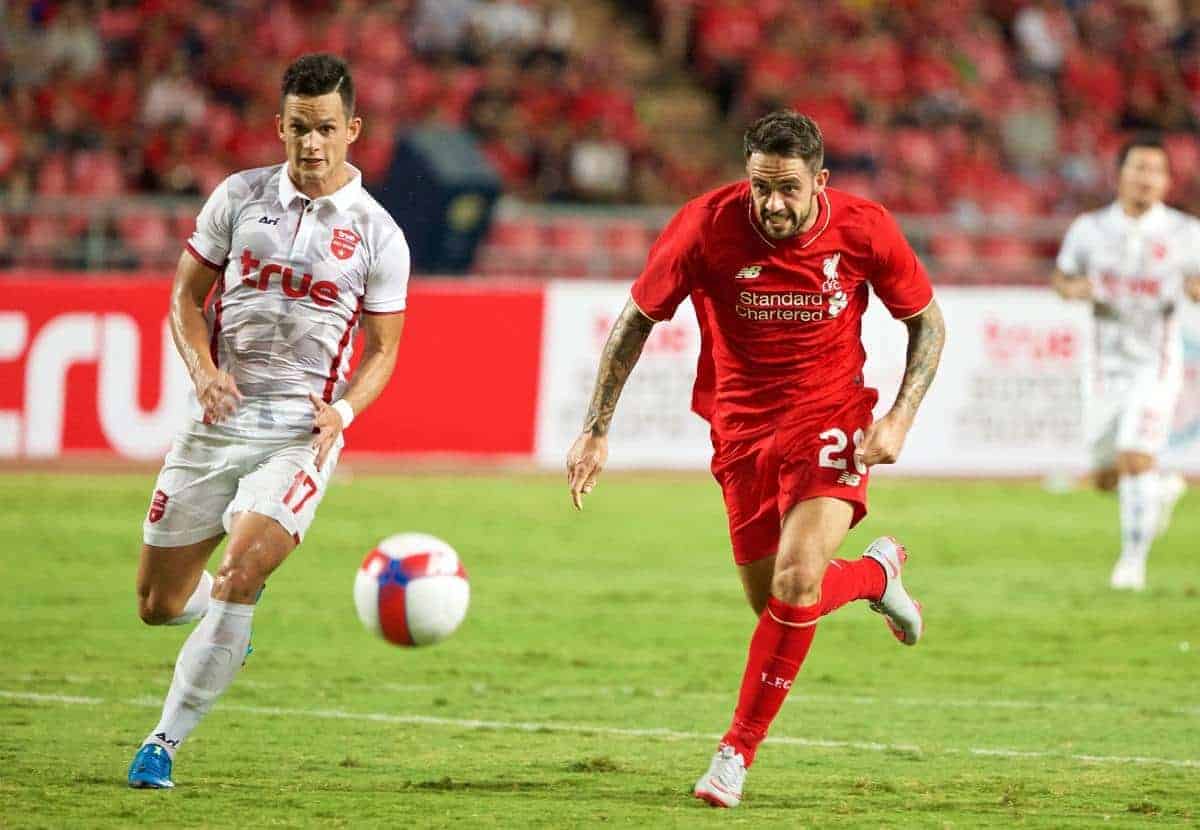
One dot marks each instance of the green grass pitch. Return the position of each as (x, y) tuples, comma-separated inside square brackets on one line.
[(599, 662)]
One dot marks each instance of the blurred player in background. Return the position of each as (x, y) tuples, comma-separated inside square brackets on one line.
[(297, 252), (1135, 261), (777, 269)]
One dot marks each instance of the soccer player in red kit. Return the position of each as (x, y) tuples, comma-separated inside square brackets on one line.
[(777, 269)]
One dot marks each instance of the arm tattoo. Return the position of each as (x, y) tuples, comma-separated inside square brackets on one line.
[(621, 354), (926, 335)]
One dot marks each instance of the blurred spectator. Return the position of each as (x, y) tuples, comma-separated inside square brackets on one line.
[(967, 107)]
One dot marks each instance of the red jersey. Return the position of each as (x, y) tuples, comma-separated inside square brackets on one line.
[(780, 320)]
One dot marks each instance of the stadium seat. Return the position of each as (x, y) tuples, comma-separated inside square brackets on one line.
[(574, 245), (513, 248), (147, 234)]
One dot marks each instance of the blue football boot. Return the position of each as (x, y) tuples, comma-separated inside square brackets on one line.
[(151, 769)]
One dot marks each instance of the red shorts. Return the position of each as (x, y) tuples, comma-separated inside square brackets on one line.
[(762, 478)]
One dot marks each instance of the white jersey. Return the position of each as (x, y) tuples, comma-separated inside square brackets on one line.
[(296, 274), (1137, 269)]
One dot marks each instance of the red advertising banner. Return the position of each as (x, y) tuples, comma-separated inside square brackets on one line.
[(87, 364)]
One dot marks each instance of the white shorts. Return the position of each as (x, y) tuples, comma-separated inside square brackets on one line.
[(209, 476), (1131, 411)]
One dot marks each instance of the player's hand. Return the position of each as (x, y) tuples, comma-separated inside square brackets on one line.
[(1075, 288), (1192, 286), (218, 396), (883, 440), (586, 459), (327, 421)]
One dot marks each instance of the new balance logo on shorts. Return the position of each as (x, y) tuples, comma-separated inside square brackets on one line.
[(158, 506), (852, 479)]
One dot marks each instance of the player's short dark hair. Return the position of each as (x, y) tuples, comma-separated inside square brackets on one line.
[(320, 74), (788, 134), (1151, 141)]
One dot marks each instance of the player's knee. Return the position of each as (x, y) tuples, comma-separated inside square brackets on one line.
[(1134, 463), (799, 582), (238, 581), (158, 609)]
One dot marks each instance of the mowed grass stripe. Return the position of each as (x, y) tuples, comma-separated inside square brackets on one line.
[(661, 733)]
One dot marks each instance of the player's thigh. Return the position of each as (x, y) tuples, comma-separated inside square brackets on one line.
[(167, 577), (1132, 463), (748, 473), (1145, 423), (268, 517), (258, 545), (813, 530), (285, 486)]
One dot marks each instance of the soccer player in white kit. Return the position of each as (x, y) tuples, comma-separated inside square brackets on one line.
[(1135, 261), (295, 257)]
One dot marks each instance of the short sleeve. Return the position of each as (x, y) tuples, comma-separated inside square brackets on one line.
[(1191, 261), (387, 281), (899, 279), (666, 279), (1072, 256), (211, 240)]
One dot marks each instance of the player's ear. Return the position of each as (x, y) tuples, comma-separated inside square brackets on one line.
[(820, 180), (353, 128), (279, 127)]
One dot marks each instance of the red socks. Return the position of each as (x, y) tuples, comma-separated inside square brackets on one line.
[(778, 647), (781, 642), (849, 579)]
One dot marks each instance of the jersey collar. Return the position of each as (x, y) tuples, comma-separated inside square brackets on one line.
[(824, 211), (1149, 219), (341, 199)]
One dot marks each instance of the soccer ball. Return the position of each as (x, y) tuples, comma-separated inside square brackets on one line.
[(412, 590)]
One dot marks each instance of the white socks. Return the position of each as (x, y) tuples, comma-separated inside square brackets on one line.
[(1140, 505), (207, 664), (197, 603)]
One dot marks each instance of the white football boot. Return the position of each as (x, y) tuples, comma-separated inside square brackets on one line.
[(1128, 575), (721, 786), (1171, 490), (901, 612)]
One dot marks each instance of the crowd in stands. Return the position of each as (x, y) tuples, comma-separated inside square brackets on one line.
[(962, 107)]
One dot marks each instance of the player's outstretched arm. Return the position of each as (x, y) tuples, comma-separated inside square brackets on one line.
[(217, 393), (590, 451), (885, 437), (381, 342), (1191, 285)]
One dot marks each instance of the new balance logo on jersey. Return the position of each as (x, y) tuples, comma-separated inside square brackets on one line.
[(268, 220), (748, 273), (323, 292)]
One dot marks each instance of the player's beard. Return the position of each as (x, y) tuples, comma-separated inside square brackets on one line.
[(794, 221)]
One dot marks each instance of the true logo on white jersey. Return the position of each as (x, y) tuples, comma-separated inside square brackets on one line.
[(749, 272), (829, 269)]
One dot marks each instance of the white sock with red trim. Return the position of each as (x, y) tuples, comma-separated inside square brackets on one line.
[(197, 604), (207, 664)]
